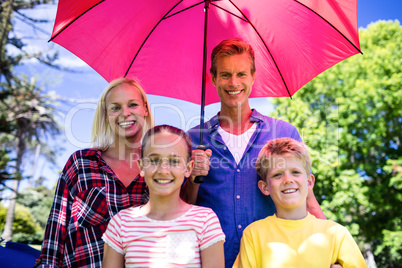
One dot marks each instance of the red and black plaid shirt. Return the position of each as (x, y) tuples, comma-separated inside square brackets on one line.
[(88, 195)]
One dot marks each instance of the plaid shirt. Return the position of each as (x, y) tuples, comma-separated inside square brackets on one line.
[(88, 195)]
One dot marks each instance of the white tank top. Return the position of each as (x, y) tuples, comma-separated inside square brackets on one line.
[(237, 143)]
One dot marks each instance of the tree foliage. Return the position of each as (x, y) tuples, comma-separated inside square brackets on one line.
[(25, 227), (7, 61), (351, 118), (27, 111), (39, 202), (31, 114)]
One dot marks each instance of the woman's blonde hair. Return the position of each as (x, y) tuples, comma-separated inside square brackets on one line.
[(102, 135)]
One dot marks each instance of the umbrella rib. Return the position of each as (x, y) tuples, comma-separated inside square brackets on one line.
[(65, 27), (347, 39), (252, 25), (231, 13), (182, 10), (153, 29)]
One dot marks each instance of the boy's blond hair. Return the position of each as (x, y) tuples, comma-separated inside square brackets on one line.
[(281, 147)]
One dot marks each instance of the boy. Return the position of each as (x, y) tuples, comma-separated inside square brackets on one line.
[(293, 237)]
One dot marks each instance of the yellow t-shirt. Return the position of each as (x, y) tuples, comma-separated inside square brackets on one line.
[(310, 242)]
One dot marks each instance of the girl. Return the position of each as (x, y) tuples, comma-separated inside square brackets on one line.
[(165, 232), (97, 183)]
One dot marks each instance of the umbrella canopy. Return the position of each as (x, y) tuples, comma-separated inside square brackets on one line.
[(165, 43)]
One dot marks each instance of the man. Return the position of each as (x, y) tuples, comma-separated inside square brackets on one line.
[(233, 139)]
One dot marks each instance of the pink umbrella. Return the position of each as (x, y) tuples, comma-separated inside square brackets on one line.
[(165, 43)]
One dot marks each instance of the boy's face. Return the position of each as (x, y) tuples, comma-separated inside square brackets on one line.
[(287, 182)]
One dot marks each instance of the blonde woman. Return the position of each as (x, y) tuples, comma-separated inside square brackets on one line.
[(97, 183)]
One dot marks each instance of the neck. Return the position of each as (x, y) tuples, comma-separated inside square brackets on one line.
[(291, 214), (235, 120), (165, 208), (124, 150)]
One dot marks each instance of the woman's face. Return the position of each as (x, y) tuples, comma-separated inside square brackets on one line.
[(125, 112)]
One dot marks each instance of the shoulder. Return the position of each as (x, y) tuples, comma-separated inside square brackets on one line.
[(274, 128), (257, 116), (89, 153), (201, 213), (195, 131), (201, 210), (84, 155), (259, 227), (128, 214), (87, 159), (335, 231), (329, 225), (260, 224), (270, 121)]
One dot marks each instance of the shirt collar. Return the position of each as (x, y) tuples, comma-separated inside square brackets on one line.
[(92, 152), (96, 154)]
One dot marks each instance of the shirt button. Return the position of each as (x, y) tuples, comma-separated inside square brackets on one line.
[(238, 196), (224, 148), (239, 226), (238, 170)]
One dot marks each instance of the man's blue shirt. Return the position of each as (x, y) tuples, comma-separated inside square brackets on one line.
[(231, 189)]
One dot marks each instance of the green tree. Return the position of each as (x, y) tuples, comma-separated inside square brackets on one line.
[(351, 117), (39, 202), (27, 113), (25, 226), (32, 114), (7, 62), (4, 173), (392, 243)]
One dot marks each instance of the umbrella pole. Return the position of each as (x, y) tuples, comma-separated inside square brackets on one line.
[(200, 179)]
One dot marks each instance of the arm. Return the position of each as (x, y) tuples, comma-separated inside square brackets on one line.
[(211, 242), (313, 207), (247, 257), (312, 204), (112, 258), (213, 256), (53, 247), (189, 191), (349, 254)]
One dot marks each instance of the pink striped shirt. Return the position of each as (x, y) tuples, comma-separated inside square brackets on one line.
[(174, 243)]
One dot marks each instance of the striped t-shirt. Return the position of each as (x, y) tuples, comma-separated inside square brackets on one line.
[(152, 243)]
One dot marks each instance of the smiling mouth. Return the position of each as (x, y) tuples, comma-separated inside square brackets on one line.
[(289, 191), (160, 181), (234, 92), (126, 124)]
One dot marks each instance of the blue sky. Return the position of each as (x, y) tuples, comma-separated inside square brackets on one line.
[(87, 85), (373, 10)]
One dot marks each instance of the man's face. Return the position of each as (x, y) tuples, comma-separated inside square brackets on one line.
[(233, 80)]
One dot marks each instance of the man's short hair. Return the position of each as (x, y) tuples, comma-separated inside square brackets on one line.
[(230, 47)]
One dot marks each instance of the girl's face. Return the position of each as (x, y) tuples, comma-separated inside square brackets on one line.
[(125, 112), (164, 164)]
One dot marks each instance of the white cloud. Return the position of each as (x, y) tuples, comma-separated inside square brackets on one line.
[(71, 62)]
